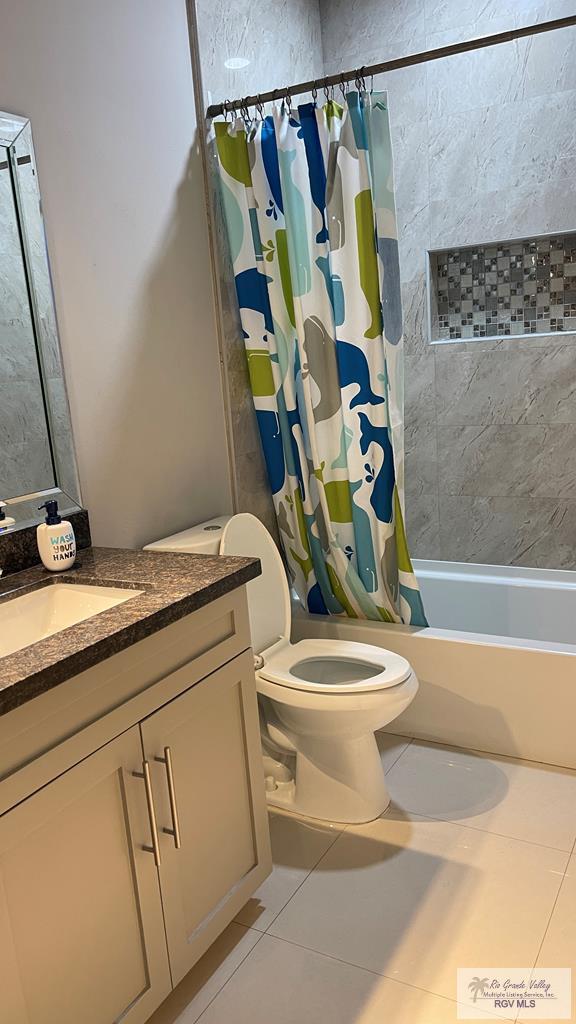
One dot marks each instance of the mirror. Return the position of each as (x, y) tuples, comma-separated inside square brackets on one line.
[(36, 448)]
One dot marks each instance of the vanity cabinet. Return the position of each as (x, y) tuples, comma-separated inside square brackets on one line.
[(120, 871), (204, 754), (81, 929)]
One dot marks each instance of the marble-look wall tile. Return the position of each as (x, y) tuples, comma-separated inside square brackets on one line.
[(505, 147), (280, 42), (395, 26), (503, 214), (464, 19), (533, 532), (423, 524), (415, 314), (411, 178), (506, 385), (536, 461), (507, 73)]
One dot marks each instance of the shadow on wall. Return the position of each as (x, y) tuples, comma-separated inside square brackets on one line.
[(162, 456)]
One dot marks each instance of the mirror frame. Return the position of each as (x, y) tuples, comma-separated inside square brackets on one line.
[(16, 138)]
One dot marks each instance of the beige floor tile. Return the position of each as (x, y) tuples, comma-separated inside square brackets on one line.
[(391, 747), (280, 983), (297, 846), (197, 990), (521, 799), (415, 899), (559, 946)]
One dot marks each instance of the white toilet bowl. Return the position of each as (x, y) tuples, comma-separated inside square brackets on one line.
[(321, 701)]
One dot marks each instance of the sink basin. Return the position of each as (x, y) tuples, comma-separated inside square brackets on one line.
[(34, 616)]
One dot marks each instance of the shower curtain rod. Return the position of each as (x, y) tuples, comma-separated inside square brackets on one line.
[(359, 74)]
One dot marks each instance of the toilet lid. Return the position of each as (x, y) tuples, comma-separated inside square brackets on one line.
[(334, 666), (268, 594)]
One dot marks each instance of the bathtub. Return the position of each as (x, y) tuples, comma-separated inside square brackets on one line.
[(526, 604), (496, 665)]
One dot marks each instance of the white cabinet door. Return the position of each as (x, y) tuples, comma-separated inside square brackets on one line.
[(81, 928), (204, 749)]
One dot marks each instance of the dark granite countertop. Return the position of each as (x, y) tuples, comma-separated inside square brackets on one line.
[(173, 585)]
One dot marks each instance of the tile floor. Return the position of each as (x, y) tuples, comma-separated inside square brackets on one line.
[(473, 864)]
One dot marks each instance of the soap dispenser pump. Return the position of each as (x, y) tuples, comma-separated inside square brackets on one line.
[(5, 521), (56, 540)]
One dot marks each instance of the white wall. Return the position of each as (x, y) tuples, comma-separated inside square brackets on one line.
[(108, 88)]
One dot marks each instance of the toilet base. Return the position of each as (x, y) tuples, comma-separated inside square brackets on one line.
[(341, 781)]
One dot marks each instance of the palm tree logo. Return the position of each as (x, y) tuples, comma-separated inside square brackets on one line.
[(477, 986)]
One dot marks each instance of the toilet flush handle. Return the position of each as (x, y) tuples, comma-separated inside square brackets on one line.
[(258, 662)]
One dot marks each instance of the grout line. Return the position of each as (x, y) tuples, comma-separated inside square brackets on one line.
[(238, 966), (401, 754), (474, 828), (554, 905), (491, 753), (375, 974), (306, 876)]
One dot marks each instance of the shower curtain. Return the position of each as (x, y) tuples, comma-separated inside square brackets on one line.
[(308, 200)]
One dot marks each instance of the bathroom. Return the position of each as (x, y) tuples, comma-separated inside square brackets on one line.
[(190, 827)]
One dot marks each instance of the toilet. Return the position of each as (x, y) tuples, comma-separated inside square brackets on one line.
[(321, 701)]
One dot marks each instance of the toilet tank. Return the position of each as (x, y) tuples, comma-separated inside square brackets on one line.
[(203, 539)]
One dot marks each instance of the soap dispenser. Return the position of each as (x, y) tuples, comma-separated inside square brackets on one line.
[(56, 540), (5, 521)]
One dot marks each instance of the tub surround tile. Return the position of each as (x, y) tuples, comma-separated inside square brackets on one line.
[(506, 386), (532, 532), (423, 524), (410, 164), (391, 890), (506, 461), (346, 24), (250, 31), (414, 239), (415, 312), (507, 73), (519, 799), (503, 213), (465, 19), (173, 585), (502, 147)]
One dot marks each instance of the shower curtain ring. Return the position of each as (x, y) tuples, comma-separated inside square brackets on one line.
[(342, 80), (288, 102), (260, 107), (314, 90)]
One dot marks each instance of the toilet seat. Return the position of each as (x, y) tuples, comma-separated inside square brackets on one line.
[(333, 666)]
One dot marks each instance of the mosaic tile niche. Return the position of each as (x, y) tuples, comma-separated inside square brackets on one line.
[(509, 288)]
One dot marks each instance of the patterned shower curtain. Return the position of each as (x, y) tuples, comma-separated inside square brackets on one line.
[(308, 199)]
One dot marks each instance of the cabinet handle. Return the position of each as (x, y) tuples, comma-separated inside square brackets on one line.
[(155, 848), (175, 830)]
